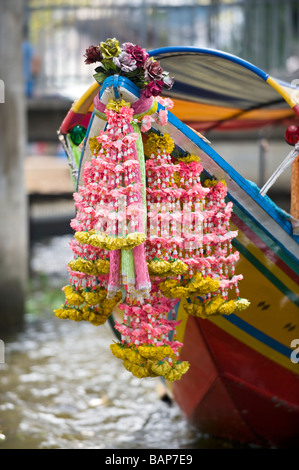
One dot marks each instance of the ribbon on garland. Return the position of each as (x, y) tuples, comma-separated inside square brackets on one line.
[(128, 267)]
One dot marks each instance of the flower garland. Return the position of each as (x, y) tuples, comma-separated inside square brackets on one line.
[(149, 230)]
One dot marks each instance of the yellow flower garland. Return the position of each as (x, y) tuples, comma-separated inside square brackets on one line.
[(116, 105), (101, 240), (242, 304), (72, 296), (161, 368), (197, 286), (157, 143), (147, 360), (216, 306), (189, 158), (167, 268), (94, 145), (99, 266), (79, 296), (95, 297), (154, 352), (209, 183), (97, 314)]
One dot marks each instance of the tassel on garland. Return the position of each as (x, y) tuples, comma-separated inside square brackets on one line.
[(149, 231)]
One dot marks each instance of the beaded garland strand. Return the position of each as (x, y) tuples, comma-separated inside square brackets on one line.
[(143, 247)]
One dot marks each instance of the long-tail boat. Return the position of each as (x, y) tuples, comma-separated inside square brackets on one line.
[(243, 381)]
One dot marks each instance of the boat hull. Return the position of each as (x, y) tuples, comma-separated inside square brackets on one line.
[(243, 381), (235, 393)]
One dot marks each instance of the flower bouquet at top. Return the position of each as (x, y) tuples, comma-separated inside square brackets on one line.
[(131, 61)]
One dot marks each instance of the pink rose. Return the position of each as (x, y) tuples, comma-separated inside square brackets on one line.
[(152, 70), (125, 62), (138, 54)]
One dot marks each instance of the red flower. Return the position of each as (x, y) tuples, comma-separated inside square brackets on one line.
[(138, 53), (153, 88), (152, 70), (93, 54)]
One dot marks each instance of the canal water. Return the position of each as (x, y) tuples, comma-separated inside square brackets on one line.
[(61, 388)]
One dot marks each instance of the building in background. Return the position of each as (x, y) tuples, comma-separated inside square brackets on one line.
[(264, 32)]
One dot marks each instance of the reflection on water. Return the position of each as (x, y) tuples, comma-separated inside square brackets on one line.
[(62, 388)]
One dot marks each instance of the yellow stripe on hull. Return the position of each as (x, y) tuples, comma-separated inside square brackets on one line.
[(257, 253)]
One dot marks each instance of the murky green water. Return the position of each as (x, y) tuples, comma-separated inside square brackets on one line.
[(61, 387)]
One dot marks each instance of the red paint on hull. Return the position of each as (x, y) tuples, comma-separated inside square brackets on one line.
[(233, 392)]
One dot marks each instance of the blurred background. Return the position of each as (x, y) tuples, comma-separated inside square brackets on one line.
[(42, 72)]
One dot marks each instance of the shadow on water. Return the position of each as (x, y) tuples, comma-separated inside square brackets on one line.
[(61, 388)]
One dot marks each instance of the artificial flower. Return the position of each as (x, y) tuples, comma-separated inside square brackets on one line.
[(110, 48), (227, 307), (242, 304), (210, 182), (154, 352), (194, 309), (146, 123), (189, 158), (157, 142), (125, 62), (173, 375), (133, 355), (72, 296), (94, 297), (132, 61), (154, 88), (166, 102), (181, 366), (94, 145), (161, 368), (168, 81), (152, 70), (138, 54), (116, 105), (92, 55), (118, 350), (211, 307), (162, 117)]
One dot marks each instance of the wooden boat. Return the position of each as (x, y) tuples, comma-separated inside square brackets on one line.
[(243, 382)]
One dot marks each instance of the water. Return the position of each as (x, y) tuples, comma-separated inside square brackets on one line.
[(61, 387)]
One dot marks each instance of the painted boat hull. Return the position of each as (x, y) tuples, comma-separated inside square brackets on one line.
[(242, 384), (235, 393)]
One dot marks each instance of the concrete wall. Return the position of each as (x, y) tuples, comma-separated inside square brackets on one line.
[(13, 217)]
